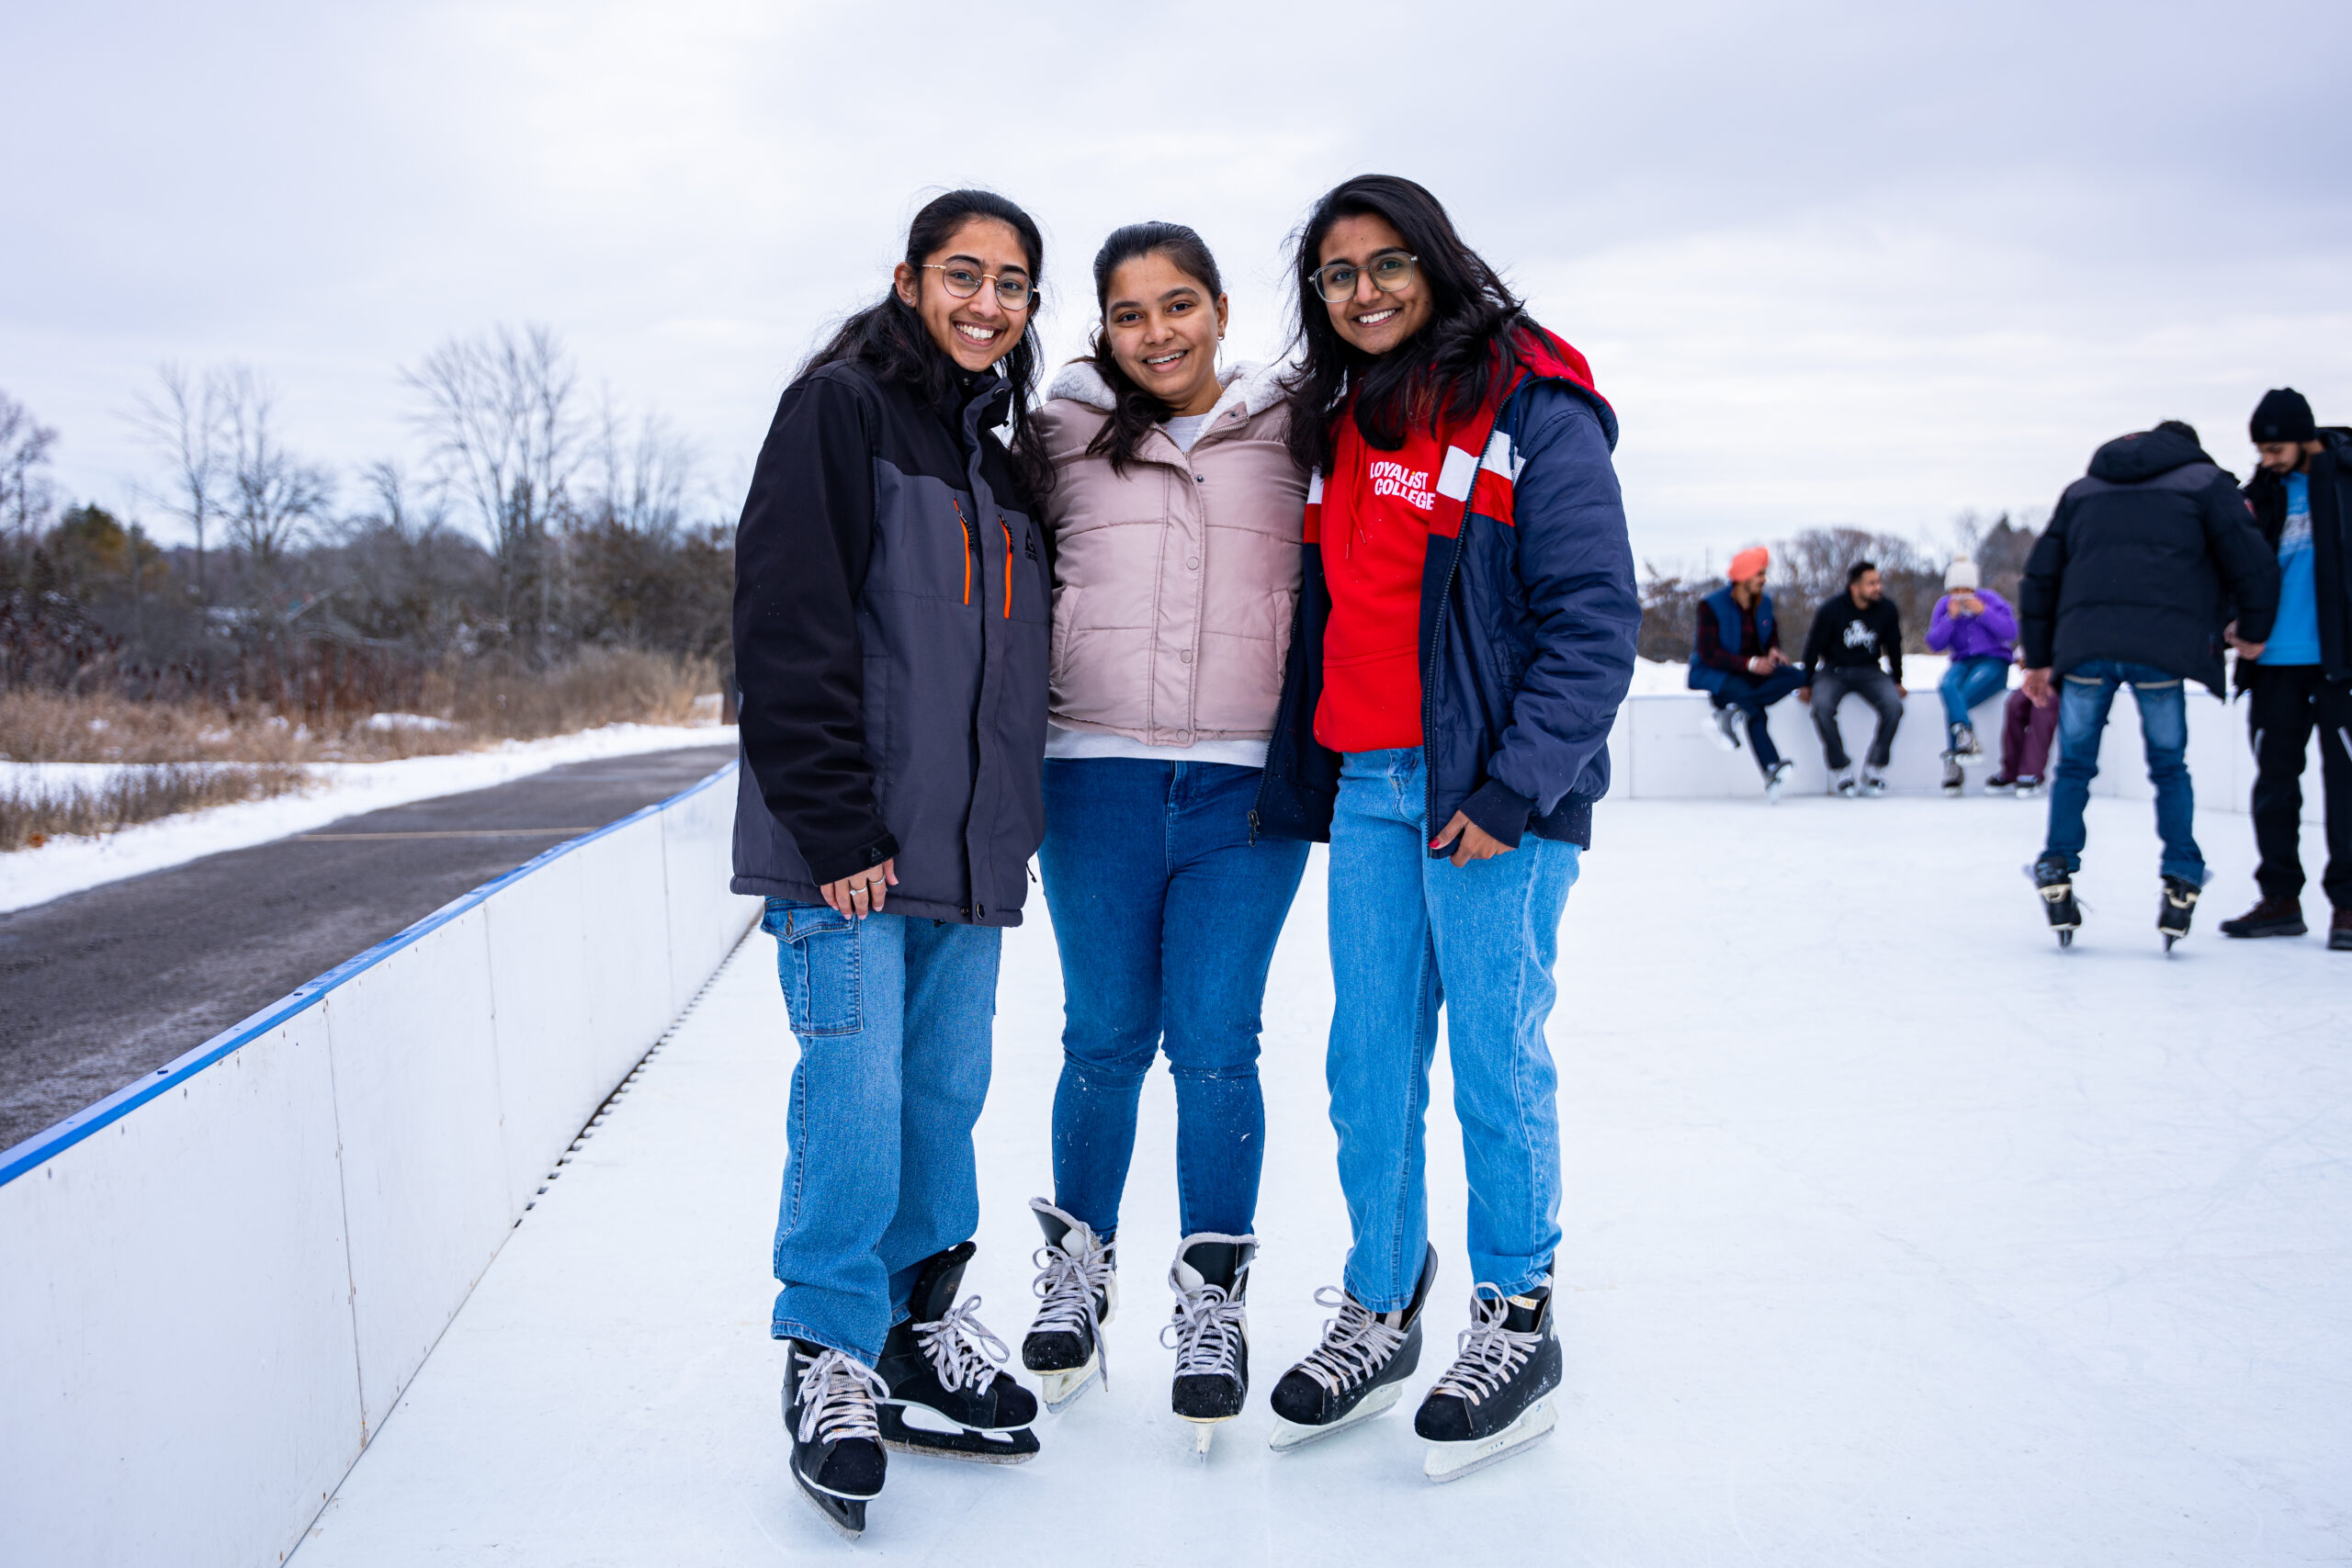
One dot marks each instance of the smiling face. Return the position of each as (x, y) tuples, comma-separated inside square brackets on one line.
[(1162, 327), (1867, 589), (1369, 320), (977, 331)]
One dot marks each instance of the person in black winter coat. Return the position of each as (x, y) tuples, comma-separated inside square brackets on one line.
[(1849, 635), (2302, 497), (891, 636), (2132, 584)]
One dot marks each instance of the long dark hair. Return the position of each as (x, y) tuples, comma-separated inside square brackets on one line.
[(1441, 373), (888, 336), (1134, 410)]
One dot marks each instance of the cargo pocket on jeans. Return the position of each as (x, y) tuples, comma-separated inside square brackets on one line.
[(820, 965)]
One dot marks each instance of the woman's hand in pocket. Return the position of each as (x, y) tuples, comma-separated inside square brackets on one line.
[(862, 894), (1475, 842)]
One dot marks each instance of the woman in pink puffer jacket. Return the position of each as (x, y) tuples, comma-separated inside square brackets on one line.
[(1175, 518)]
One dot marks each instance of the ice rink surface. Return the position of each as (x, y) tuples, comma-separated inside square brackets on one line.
[(1893, 1235)]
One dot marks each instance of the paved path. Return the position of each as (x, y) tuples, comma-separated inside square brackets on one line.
[(107, 985)]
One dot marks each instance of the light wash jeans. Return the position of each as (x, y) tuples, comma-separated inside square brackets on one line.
[(894, 1017), (1968, 683), (1166, 916), (1410, 933), (2086, 693)]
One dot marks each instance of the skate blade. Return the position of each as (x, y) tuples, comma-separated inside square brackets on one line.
[(1002, 1445), (1451, 1462), (1058, 1389), (1204, 1433), (1289, 1434), (846, 1514)]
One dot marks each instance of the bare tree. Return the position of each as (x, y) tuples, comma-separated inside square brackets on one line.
[(273, 496), (24, 446), (497, 412), (643, 479), (185, 426)]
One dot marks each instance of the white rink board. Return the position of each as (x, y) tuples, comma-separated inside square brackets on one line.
[(215, 1285), (2045, 1269)]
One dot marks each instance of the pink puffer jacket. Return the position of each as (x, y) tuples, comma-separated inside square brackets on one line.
[(1174, 585)]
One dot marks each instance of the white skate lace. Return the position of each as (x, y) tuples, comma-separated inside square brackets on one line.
[(962, 1351), (1209, 1326), (837, 1394), (1070, 1285), (1356, 1344), (1489, 1352)]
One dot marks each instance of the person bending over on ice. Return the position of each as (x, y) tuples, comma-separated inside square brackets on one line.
[(890, 598), (2129, 586), (1849, 635), (1175, 515), (1465, 637), (1977, 627), (1737, 662)]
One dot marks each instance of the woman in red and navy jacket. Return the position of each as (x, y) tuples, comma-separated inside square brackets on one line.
[(1464, 638)]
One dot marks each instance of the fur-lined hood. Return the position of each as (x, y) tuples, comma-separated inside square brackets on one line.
[(1252, 387)]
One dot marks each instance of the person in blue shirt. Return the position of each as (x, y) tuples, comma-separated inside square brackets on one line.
[(2301, 678)]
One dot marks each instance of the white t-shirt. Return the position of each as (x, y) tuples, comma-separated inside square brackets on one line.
[(1184, 430)]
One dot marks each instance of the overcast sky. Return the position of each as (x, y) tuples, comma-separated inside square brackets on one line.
[(1866, 264)]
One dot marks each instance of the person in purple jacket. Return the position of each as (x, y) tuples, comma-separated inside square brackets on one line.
[(1978, 629)]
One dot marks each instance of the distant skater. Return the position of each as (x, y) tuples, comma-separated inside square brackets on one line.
[(1736, 660), (1176, 516), (2130, 585), (1466, 636), (2300, 680), (890, 636), (1851, 636)]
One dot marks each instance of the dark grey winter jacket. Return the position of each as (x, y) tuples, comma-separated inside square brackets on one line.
[(891, 616)]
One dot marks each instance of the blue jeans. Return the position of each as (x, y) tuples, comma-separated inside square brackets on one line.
[(1410, 933), (1752, 697), (1166, 916), (894, 1017), (2088, 692), (1970, 681)]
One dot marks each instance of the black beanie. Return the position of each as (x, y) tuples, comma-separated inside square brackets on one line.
[(2283, 414)]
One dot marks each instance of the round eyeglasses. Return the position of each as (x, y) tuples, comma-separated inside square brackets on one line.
[(962, 281), (1336, 281)]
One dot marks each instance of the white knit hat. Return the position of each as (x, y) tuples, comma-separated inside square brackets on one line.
[(1961, 574)]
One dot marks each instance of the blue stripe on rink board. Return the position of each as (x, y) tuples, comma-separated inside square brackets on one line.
[(47, 1144)]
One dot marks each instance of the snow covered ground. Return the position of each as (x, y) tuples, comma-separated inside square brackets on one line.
[(340, 790), (1659, 677), (1893, 1235)]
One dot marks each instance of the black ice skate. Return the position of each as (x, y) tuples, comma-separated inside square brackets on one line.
[(1210, 1332), (1078, 1289), (1358, 1371), (1496, 1398), (837, 1458), (945, 1394), (2056, 885), (2179, 905)]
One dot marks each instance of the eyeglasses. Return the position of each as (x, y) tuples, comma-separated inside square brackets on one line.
[(1012, 293), (1336, 281)]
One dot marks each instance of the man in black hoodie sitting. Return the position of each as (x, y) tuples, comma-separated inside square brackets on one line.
[(2132, 584), (1849, 635)]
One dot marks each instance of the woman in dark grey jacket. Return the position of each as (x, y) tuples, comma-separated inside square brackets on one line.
[(891, 600)]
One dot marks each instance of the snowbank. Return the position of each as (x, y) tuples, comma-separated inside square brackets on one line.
[(342, 789), (1657, 677)]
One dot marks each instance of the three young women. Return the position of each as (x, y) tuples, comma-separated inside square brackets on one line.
[(1176, 514), (1466, 636), (891, 643)]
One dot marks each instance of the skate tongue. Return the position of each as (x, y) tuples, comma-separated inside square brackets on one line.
[(1525, 1312), (1051, 1221)]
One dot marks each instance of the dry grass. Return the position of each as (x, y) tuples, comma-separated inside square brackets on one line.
[(31, 819), (466, 704)]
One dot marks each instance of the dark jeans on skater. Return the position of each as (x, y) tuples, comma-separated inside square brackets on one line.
[(1165, 915), (2288, 702), (1875, 686), (1752, 695), (1968, 683), (894, 1018), (2026, 734), (2086, 692)]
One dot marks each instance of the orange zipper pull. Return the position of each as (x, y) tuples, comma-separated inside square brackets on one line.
[(962, 523), (1008, 564)]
